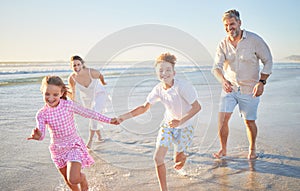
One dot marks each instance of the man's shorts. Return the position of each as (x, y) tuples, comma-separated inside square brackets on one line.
[(181, 138), (247, 104)]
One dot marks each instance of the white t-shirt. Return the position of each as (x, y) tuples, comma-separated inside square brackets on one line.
[(177, 100)]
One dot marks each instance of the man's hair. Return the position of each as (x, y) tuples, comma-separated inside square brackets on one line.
[(231, 14)]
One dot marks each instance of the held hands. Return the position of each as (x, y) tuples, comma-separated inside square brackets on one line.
[(114, 121), (117, 121), (35, 134)]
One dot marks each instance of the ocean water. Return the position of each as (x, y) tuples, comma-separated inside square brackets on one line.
[(128, 86)]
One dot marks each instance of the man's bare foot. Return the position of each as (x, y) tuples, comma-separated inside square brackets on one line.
[(219, 154), (252, 154), (180, 162), (84, 184)]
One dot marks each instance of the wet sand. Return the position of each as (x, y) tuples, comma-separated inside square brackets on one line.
[(124, 160)]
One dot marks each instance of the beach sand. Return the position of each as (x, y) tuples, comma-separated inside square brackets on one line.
[(124, 161)]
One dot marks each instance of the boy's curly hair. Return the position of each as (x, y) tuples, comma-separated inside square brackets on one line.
[(166, 57)]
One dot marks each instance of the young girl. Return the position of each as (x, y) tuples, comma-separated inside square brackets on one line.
[(89, 83), (180, 101), (67, 149)]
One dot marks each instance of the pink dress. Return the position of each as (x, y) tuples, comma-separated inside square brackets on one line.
[(66, 145)]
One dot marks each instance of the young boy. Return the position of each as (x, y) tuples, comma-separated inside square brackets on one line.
[(180, 101)]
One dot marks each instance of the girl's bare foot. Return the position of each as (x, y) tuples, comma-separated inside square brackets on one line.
[(84, 184), (219, 154)]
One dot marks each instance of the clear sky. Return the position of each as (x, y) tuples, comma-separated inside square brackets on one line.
[(35, 30)]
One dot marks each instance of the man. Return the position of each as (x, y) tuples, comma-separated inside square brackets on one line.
[(237, 67)]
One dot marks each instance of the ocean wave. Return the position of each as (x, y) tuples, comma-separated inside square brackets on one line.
[(14, 72)]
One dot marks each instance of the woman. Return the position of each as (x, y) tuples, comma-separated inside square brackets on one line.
[(89, 83)]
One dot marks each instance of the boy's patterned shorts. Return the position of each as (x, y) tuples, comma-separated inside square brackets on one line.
[(181, 138)]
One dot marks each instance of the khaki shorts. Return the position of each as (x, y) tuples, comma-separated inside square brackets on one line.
[(247, 104)]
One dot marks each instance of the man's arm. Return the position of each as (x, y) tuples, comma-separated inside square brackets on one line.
[(226, 85)]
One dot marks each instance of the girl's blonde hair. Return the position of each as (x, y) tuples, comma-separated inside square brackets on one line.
[(57, 81), (166, 57)]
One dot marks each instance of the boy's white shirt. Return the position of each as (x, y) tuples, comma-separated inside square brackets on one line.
[(177, 100)]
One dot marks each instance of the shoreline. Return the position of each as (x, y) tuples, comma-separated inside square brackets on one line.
[(124, 160)]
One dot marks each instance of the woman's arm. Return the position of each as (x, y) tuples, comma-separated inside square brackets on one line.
[(96, 74), (71, 93)]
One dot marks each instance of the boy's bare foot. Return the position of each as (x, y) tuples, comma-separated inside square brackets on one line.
[(252, 154), (180, 162), (84, 184), (179, 165), (219, 154)]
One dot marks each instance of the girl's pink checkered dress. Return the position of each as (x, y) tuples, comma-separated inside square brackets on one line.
[(66, 145)]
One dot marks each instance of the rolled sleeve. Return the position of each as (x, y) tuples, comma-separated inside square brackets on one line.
[(264, 54), (219, 59)]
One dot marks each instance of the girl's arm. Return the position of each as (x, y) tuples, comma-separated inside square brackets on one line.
[(97, 74), (71, 94), (88, 113), (195, 109), (38, 133), (35, 134), (137, 111)]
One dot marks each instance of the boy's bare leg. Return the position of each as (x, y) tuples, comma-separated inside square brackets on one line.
[(162, 177), (159, 157)]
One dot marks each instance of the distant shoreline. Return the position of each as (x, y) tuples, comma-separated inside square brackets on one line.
[(47, 62)]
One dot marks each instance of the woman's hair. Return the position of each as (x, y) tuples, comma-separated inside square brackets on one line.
[(57, 81), (166, 57), (78, 58)]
